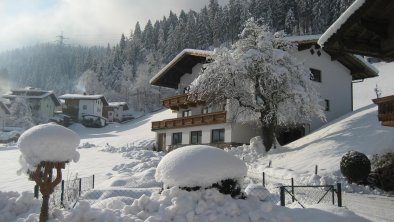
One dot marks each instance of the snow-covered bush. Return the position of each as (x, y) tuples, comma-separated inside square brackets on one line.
[(355, 166), (47, 142), (199, 166), (383, 171)]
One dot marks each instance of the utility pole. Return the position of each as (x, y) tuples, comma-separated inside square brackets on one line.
[(60, 39)]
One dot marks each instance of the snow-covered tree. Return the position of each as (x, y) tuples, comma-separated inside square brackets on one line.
[(259, 76), (21, 115)]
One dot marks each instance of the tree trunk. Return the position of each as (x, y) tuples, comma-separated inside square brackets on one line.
[(44, 208), (268, 135)]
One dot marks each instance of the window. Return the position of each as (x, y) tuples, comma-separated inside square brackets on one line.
[(195, 137), (217, 135), (84, 107), (316, 75), (204, 110), (186, 113), (176, 138), (327, 105)]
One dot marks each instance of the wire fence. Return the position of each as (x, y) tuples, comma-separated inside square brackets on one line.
[(68, 192), (283, 191)]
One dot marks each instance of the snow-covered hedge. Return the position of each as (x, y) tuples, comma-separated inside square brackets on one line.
[(199, 166)]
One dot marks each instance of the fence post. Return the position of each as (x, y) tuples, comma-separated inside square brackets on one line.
[(93, 182), (263, 179), (36, 190), (292, 189), (282, 196), (339, 194), (62, 193), (80, 186), (269, 163), (316, 169)]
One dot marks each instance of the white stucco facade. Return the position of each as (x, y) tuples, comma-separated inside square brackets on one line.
[(90, 107), (335, 85)]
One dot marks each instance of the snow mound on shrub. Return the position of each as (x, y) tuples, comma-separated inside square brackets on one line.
[(48, 142), (199, 165), (257, 190)]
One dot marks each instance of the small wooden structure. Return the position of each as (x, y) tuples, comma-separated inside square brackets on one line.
[(385, 110)]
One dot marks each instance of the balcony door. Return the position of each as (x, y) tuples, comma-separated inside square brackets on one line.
[(161, 143)]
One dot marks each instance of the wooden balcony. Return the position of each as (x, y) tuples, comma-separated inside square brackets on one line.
[(385, 110), (179, 101), (197, 120)]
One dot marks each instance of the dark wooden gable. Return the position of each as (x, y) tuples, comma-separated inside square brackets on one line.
[(368, 31), (171, 76)]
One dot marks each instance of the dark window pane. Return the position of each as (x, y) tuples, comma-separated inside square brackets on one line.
[(217, 135), (176, 138), (316, 75), (195, 137)]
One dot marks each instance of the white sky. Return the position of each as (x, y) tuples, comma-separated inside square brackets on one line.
[(87, 22)]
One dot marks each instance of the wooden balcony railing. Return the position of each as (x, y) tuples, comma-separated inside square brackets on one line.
[(179, 101), (385, 110), (197, 120), (386, 119)]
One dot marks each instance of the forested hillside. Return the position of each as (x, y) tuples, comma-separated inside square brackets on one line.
[(122, 72)]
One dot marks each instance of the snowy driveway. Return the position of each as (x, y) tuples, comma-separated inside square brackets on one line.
[(373, 207)]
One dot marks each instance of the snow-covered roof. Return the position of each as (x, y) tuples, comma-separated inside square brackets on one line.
[(199, 165), (118, 104), (340, 21), (188, 57), (4, 108), (360, 68), (303, 38), (47, 142), (365, 28), (84, 97), (32, 93)]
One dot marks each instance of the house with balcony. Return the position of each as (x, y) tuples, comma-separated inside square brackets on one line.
[(79, 106), (385, 110), (42, 103), (197, 123)]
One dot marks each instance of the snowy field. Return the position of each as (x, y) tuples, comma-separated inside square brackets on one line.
[(126, 189)]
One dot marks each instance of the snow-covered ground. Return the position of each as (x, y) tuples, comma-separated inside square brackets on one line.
[(126, 189)]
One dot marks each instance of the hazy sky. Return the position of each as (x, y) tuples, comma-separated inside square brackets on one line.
[(87, 22)]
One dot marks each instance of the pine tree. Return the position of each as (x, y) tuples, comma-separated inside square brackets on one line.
[(290, 22)]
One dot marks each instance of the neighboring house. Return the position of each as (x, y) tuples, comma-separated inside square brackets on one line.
[(365, 28), (76, 105), (42, 103), (115, 111), (4, 113), (197, 123)]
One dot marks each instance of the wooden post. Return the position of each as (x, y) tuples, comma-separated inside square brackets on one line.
[(282, 196), (93, 182), (263, 179), (316, 169), (339, 194), (80, 186), (292, 190), (36, 190), (62, 193)]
